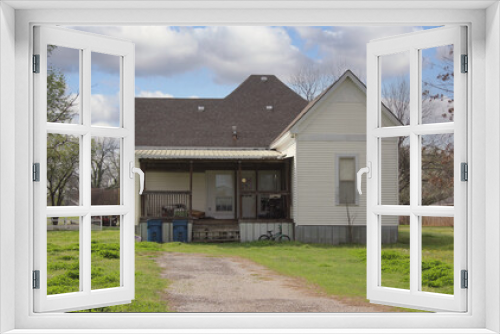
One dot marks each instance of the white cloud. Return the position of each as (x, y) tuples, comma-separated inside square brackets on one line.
[(156, 93), (231, 53), (348, 45), (105, 110)]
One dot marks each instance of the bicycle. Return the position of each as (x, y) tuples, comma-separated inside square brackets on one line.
[(275, 237)]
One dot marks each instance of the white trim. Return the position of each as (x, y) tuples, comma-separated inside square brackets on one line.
[(333, 137), (7, 166), (246, 4), (321, 323)]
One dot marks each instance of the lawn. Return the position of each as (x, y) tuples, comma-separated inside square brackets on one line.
[(336, 270)]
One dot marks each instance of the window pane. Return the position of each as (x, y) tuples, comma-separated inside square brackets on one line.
[(437, 169), (395, 171), (63, 255), (437, 254), (347, 169), (269, 180), (437, 85), (271, 206), (395, 257), (105, 252), (105, 172), (63, 84), (395, 92), (105, 100), (224, 192), (63, 162), (347, 194), (247, 180)]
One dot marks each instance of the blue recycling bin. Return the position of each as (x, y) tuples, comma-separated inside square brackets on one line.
[(180, 228), (154, 230)]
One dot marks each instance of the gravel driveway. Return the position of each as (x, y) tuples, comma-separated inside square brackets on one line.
[(202, 283)]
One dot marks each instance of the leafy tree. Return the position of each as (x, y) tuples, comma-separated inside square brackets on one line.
[(62, 150), (62, 169)]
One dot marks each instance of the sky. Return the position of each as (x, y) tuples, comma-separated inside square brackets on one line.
[(211, 61)]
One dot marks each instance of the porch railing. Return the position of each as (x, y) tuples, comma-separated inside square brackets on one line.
[(166, 204)]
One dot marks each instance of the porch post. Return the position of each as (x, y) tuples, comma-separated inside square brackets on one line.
[(240, 195), (287, 187), (191, 189), (256, 194)]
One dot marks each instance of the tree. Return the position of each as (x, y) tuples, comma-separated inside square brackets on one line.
[(437, 150), (440, 87), (62, 150), (61, 106), (311, 80), (105, 163), (62, 169), (350, 222)]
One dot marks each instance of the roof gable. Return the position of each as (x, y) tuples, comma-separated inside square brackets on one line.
[(338, 87)]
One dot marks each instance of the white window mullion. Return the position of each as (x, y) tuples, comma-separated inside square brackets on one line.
[(415, 171), (372, 184), (85, 175)]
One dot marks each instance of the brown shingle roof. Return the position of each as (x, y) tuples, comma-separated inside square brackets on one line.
[(171, 122)]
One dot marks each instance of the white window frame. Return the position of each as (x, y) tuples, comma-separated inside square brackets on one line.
[(337, 177), (376, 132), (483, 310), (86, 44)]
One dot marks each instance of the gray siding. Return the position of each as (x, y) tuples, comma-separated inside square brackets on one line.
[(338, 234), (251, 231)]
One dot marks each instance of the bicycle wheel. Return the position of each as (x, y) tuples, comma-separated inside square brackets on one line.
[(263, 237), (283, 237)]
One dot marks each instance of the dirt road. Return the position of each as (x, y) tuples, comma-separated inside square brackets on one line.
[(202, 283)]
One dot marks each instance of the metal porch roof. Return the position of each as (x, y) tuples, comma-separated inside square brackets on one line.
[(208, 154)]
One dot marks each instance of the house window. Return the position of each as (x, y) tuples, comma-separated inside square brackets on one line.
[(347, 180)]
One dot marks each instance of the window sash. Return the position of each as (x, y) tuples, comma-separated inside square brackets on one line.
[(86, 297), (414, 298)]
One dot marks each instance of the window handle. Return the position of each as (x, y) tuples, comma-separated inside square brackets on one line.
[(133, 170), (368, 171)]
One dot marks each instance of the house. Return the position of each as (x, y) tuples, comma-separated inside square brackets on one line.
[(296, 163)]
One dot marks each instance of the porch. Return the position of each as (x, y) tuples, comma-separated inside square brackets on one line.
[(218, 196)]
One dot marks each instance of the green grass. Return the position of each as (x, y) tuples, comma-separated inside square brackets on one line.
[(437, 260), (63, 269), (335, 270)]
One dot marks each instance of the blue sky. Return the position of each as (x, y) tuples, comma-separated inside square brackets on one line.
[(211, 61)]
